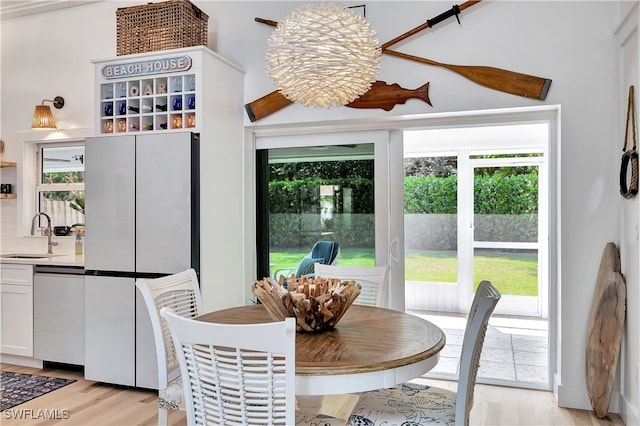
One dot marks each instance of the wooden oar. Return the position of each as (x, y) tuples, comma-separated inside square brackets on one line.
[(494, 78), (510, 82), (454, 11)]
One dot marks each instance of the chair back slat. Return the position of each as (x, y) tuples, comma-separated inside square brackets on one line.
[(484, 302), (411, 403), (238, 374), (180, 292), (373, 280), (184, 303)]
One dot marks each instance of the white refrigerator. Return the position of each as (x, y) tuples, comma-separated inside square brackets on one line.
[(141, 220)]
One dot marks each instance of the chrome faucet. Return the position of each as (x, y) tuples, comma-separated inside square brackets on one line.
[(33, 228)]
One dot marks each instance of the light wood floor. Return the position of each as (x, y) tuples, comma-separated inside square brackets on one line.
[(89, 403)]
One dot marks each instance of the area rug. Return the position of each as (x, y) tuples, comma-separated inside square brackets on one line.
[(17, 388)]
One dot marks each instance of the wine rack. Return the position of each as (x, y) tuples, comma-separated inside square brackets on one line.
[(159, 103)]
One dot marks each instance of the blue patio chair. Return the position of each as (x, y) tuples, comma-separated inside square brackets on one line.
[(324, 252)]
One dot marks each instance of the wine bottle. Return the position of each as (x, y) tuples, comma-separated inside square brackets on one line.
[(147, 108), (134, 109), (161, 107), (163, 125)]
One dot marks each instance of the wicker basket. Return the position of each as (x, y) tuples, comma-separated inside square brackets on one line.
[(160, 26)]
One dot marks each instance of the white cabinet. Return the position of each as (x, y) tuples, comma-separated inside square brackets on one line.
[(141, 219), (191, 89), (146, 358), (219, 120), (142, 105), (109, 330), (16, 309), (110, 192), (58, 323), (159, 92)]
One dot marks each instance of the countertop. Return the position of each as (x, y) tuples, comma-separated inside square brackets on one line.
[(57, 260)]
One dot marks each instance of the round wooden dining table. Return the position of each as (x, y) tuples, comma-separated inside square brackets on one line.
[(370, 348)]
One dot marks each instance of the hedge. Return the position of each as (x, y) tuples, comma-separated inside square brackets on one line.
[(496, 194), (505, 210)]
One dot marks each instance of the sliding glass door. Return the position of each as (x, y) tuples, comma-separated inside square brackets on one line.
[(327, 187), (344, 187), (474, 209)]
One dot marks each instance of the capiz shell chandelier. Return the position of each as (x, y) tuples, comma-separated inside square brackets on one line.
[(323, 54)]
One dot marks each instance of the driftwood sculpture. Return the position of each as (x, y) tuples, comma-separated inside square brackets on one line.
[(317, 304), (605, 330)]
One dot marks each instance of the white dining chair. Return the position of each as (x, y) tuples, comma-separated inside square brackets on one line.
[(415, 404), (373, 279), (181, 293), (239, 374)]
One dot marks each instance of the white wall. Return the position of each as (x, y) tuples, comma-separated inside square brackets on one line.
[(629, 213), (571, 42)]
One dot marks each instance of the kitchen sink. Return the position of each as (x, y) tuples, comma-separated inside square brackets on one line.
[(27, 256)]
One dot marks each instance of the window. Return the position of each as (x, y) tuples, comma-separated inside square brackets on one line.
[(59, 189), (313, 194)]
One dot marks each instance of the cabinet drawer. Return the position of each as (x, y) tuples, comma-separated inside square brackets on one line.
[(58, 318), (16, 274)]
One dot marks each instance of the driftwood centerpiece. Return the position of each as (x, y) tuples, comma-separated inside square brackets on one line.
[(317, 304)]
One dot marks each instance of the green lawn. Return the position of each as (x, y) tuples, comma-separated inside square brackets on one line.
[(512, 273)]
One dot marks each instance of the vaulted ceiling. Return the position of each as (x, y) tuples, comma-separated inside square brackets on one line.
[(13, 8)]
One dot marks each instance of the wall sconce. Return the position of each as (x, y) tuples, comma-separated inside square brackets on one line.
[(42, 117)]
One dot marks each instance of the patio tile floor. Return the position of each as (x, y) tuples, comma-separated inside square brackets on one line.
[(515, 349)]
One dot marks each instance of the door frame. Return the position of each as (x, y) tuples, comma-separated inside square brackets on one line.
[(395, 124)]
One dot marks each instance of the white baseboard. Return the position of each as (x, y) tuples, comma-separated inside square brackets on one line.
[(573, 396), (576, 396), (629, 413), (22, 361)]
